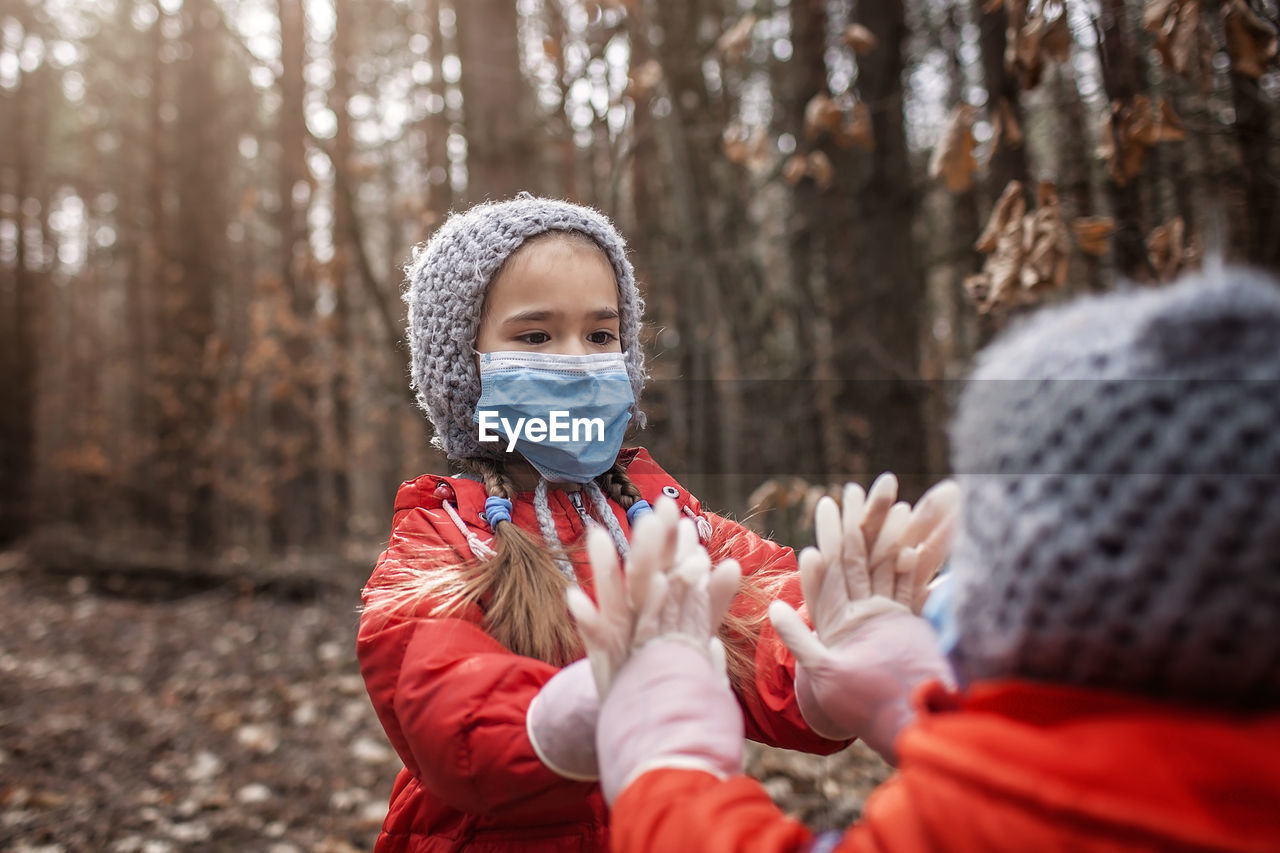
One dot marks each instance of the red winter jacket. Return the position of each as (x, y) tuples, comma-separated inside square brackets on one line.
[(1008, 766), (453, 700)]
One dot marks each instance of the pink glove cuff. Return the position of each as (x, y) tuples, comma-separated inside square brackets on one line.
[(668, 707), (561, 723)]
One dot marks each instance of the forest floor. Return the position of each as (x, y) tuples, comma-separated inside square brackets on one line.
[(151, 712)]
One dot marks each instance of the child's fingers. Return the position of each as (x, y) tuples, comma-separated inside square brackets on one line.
[(648, 620), (686, 540), (667, 510), (722, 587), (796, 636), (828, 530), (813, 570), (719, 660), (651, 536), (604, 569), (929, 511), (854, 502), (880, 497), (890, 532), (933, 553), (905, 570)]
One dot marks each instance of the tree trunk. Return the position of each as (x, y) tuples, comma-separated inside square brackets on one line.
[(187, 306), (495, 100), (1121, 83), (18, 391), (877, 285)]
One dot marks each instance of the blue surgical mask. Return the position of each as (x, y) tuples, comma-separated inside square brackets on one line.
[(566, 414)]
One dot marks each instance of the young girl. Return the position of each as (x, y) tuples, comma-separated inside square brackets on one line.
[(519, 309)]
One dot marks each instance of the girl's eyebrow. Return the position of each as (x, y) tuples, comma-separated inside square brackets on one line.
[(537, 315)]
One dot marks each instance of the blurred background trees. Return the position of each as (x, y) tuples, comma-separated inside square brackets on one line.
[(205, 207)]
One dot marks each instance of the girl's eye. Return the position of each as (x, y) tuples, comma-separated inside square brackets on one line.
[(535, 338), (602, 338)]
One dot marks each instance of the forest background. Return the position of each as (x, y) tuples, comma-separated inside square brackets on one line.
[(206, 206)]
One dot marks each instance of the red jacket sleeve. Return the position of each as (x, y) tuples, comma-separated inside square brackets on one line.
[(689, 810), (451, 698), (771, 713)]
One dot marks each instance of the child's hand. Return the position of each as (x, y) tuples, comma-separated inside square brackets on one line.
[(904, 545), (668, 703), (856, 669), (668, 589)]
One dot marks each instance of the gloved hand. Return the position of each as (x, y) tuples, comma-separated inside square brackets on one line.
[(856, 671), (905, 545), (607, 625), (561, 723), (669, 704)]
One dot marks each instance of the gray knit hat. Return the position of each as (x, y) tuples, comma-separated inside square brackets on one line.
[(1120, 458), (445, 292)]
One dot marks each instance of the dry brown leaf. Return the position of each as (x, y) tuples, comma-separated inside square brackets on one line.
[(644, 78), (1055, 41), (1169, 127), (1093, 233), (1009, 206), (1005, 130), (1129, 130), (953, 159), (821, 114), (977, 287), (1027, 252), (1251, 41), (793, 171), (735, 40), (859, 38), (1170, 251), (820, 169), (733, 142), (1045, 244), (1156, 13), (745, 146), (1181, 38), (855, 128), (991, 5)]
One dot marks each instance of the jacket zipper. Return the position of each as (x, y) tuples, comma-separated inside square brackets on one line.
[(575, 498)]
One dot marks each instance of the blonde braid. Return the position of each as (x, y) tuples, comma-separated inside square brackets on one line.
[(618, 486), (526, 609)]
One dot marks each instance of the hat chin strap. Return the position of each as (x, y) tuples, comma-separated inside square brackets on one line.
[(603, 513)]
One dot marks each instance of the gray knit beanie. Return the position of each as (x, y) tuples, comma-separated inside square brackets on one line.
[(1120, 458), (445, 293)]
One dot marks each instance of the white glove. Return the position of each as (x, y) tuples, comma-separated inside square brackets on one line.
[(855, 673), (669, 704), (607, 626), (905, 545), (561, 723)]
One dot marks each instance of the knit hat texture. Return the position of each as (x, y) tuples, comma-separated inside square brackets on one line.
[(1120, 458), (445, 291)]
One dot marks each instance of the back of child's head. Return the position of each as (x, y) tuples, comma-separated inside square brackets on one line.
[(447, 281), (1120, 458)]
